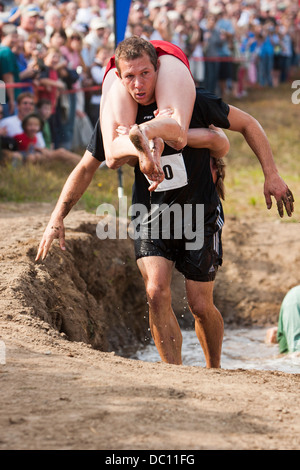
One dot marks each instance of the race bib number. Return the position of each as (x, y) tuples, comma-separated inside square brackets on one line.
[(175, 173)]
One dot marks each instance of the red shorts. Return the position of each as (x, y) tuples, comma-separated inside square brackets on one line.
[(162, 48)]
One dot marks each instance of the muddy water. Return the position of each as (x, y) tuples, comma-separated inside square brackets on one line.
[(242, 349)]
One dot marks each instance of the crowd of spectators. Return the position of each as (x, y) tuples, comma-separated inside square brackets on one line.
[(57, 51)]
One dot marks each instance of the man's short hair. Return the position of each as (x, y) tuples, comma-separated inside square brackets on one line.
[(135, 47), (25, 94)]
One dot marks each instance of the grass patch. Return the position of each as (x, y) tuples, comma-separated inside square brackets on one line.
[(273, 108), (43, 183), (279, 117)]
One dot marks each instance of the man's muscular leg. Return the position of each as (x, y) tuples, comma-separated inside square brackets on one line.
[(208, 320), (165, 330)]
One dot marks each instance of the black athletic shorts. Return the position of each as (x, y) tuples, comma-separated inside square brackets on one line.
[(197, 265)]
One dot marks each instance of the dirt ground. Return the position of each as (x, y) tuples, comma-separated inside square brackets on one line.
[(68, 323)]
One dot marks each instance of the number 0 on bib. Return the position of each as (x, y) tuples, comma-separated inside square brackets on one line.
[(175, 173)]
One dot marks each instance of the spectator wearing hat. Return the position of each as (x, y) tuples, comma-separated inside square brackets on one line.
[(28, 19), (97, 37), (136, 17), (154, 9), (136, 13)]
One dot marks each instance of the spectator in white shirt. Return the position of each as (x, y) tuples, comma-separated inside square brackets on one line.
[(13, 124)]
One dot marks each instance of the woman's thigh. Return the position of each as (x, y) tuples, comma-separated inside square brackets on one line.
[(116, 108), (175, 88)]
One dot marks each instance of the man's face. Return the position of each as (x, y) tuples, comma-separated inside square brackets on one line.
[(28, 22), (26, 107), (100, 32), (139, 78)]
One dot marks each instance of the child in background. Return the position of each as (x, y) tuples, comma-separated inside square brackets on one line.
[(27, 144), (27, 141)]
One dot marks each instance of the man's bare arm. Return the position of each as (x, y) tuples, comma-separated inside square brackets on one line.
[(212, 138), (75, 186), (257, 140)]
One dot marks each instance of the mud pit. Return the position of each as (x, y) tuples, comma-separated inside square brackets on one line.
[(91, 293), (94, 293), (62, 387)]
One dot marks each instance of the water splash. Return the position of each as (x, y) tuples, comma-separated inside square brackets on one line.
[(242, 349)]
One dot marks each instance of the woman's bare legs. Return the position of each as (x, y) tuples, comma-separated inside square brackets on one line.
[(175, 91), (117, 108)]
